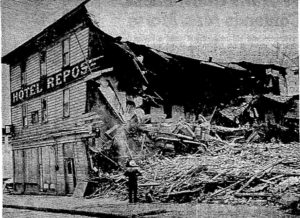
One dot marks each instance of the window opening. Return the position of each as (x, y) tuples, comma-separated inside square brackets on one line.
[(66, 52), (34, 117), (44, 110), (24, 115), (66, 102)]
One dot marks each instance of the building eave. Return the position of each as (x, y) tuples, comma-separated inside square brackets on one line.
[(8, 58)]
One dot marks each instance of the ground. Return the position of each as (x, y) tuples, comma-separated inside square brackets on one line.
[(13, 213), (18, 205)]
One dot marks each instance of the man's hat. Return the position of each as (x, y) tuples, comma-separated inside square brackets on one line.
[(131, 163)]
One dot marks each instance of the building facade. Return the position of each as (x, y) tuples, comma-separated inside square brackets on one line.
[(51, 116)]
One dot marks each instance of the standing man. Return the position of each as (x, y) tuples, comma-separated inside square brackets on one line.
[(132, 173)]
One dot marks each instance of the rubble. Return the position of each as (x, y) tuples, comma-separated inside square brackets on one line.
[(200, 162), (189, 157), (236, 174)]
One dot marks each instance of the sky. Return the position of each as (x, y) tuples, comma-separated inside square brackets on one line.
[(226, 30)]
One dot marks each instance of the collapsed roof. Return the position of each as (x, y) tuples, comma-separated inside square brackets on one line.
[(172, 78)]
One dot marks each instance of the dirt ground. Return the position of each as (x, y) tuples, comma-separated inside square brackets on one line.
[(112, 206)]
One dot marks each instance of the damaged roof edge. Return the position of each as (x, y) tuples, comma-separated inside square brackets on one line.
[(6, 59), (249, 65)]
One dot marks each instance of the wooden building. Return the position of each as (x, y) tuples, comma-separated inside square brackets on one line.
[(72, 85), (52, 116)]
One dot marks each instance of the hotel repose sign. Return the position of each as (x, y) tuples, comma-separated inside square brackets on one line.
[(53, 82)]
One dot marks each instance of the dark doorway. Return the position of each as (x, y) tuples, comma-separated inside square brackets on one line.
[(69, 168)]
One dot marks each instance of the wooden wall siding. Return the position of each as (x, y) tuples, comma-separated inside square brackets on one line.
[(55, 107), (46, 159), (60, 186), (31, 188), (48, 163), (81, 164), (34, 105), (16, 113), (76, 55), (32, 72), (69, 149), (55, 111), (54, 59), (46, 166), (54, 53), (18, 166), (33, 68), (15, 77), (31, 165)]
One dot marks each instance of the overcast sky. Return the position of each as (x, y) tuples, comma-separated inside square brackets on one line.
[(227, 30)]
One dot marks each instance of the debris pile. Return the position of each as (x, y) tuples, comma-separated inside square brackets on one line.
[(186, 157), (235, 174)]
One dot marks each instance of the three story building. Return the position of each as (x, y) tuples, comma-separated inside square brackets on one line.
[(51, 106)]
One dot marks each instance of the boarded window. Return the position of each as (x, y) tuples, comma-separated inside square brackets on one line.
[(47, 166), (66, 52), (23, 73), (34, 117), (44, 110), (24, 115), (43, 70), (66, 102), (31, 165), (26, 166), (18, 166)]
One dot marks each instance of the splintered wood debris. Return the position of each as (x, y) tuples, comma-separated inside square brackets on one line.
[(239, 173)]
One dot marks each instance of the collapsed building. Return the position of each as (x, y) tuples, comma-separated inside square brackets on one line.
[(77, 93)]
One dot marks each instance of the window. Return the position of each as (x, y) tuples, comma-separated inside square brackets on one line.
[(23, 73), (69, 166), (66, 52), (34, 117), (24, 115), (66, 103), (43, 70), (44, 110)]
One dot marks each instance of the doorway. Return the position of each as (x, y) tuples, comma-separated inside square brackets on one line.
[(69, 167), (70, 175)]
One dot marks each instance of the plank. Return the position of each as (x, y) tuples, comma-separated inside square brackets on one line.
[(80, 189)]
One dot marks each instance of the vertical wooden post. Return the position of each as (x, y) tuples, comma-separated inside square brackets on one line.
[(75, 157), (14, 170), (41, 168), (56, 164), (24, 169), (38, 170), (64, 168)]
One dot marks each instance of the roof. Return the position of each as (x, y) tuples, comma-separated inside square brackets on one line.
[(246, 65), (240, 66), (32, 43), (213, 64), (232, 66), (278, 98), (254, 66)]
